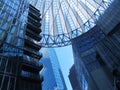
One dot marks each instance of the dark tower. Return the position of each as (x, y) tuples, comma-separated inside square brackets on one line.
[(29, 68), (73, 78)]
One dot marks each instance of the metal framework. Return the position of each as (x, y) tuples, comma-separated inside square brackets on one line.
[(63, 20)]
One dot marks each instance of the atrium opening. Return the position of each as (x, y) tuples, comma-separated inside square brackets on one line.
[(59, 44)]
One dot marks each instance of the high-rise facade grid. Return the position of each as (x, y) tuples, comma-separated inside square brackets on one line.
[(53, 77), (19, 46), (96, 53)]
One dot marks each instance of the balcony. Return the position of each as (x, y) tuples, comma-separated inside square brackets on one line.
[(33, 35), (31, 65), (30, 52), (33, 28), (33, 21), (34, 15), (29, 42), (34, 10), (31, 76)]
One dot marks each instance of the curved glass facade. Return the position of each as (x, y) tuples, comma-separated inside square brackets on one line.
[(66, 19), (13, 16)]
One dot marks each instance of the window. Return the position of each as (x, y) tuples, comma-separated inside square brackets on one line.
[(5, 83)]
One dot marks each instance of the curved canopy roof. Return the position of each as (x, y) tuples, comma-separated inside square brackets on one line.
[(63, 20)]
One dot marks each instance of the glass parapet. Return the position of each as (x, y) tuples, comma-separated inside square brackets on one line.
[(32, 53), (33, 35), (32, 61), (34, 28), (34, 10), (34, 21), (30, 75), (32, 43)]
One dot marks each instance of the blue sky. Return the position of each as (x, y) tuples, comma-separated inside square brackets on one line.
[(65, 58)]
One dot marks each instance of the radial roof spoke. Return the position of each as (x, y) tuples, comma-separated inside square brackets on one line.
[(63, 20)]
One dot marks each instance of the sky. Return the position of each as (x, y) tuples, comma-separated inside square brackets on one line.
[(65, 58)]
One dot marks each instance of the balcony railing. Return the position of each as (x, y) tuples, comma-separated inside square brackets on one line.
[(33, 21), (31, 75), (34, 28), (32, 43), (32, 53), (32, 62), (33, 15), (32, 40), (34, 10), (33, 35)]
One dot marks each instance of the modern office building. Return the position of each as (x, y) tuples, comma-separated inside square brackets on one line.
[(91, 26), (97, 53), (53, 77), (19, 46), (73, 79)]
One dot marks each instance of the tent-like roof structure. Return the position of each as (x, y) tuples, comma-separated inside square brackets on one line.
[(63, 20)]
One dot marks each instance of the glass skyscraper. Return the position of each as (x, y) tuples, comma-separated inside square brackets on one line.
[(53, 77), (91, 26), (19, 46)]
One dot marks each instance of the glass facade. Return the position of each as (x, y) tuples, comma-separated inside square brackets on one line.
[(52, 71), (96, 50), (96, 57), (63, 20), (85, 57), (19, 51), (13, 17), (12, 25)]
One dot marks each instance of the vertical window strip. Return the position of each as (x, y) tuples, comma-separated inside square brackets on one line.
[(69, 19)]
